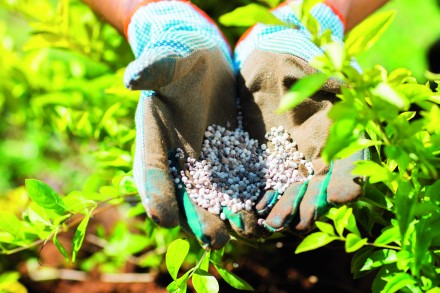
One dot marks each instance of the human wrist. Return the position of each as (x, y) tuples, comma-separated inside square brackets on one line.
[(341, 6), (115, 12)]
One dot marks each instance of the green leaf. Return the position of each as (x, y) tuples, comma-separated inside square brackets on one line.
[(425, 232), (136, 210), (397, 282), (10, 223), (302, 9), (217, 255), (77, 202), (390, 95), (137, 243), (392, 234), (354, 242), (204, 264), (43, 195), (301, 90), (433, 119), (366, 34), (415, 92), (356, 146), (432, 191), (325, 227), (405, 202), (358, 261), (38, 216), (233, 280), (351, 225), (341, 219), (399, 155), (249, 15), (176, 254), (314, 241), (60, 247), (373, 170), (379, 258), (335, 52), (399, 76), (342, 136), (376, 197), (180, 285), (109, 113), (78, 238), (379, 282), (204, 283), (9, 277), (311, 24)]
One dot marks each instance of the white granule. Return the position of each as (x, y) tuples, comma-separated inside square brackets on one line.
[(233, 169)]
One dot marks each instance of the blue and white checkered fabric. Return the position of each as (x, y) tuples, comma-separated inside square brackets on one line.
[(170, 29), (281, 39)]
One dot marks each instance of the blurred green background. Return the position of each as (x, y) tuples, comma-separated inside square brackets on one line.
[(60, 77), (407, 42)]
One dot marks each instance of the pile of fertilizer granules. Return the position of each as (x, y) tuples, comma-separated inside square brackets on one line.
[(233, 169)]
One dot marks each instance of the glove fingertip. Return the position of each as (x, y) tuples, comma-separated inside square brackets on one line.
[(164, 215), (146, 73), (158, 198), (266, 202)]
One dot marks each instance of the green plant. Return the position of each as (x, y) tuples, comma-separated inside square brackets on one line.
[(62, 96), (202, 280), (398, 119), (67, 120)]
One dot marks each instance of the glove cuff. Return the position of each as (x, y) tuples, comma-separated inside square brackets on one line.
[(140, 4), (328, 16), (151, 20), (337, 12), (293, 41)]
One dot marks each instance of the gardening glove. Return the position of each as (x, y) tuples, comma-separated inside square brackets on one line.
[(270, 59), (184, 69)]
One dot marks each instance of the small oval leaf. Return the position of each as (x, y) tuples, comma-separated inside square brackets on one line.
[(249, 15), (60, 247), (204, 283), (354, 242), (176, 254), (78, 238), (388, 236), (233, 280), (366, 34), (301, 90), (325, 227), (397, 282), (314, 241), (43, 195)]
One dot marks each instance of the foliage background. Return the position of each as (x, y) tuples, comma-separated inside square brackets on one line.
[(28, 149), (67, 120)]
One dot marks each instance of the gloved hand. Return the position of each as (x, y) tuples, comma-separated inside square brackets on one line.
[(270, 59), (184, 68)]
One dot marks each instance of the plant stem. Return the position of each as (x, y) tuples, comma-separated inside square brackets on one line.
[(201, 259), (71, 224), (199, 263), (384, 246), (385, 137)]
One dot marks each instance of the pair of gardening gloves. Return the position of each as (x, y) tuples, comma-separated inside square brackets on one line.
[(189, 80)]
